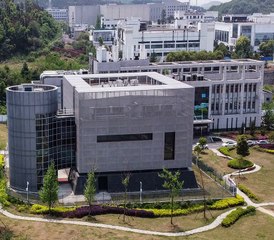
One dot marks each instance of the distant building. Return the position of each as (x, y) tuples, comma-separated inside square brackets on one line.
[(257, 27), (133, 38), (58, 14)]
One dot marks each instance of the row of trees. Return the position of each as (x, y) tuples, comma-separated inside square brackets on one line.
[(242, 49), (24, 27), (49, 192)]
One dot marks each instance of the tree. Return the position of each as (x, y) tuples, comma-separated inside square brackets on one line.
[(243, 47), (25, 73), (163, 16), (223, 48), (49, 192), (202, 142), (242, 146), (271, 137), (267, 48), (268, 118), (90, 188), (197, 151), (101, 41), (242, 149), (125, 182), (153, 57), (252, 128), (173, 184), (98, 23)]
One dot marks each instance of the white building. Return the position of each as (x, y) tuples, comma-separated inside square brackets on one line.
[(58, 14), (161, 39), (258, 28), (146, 12)]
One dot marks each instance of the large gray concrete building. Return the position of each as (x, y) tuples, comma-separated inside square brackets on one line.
[(113, 123)]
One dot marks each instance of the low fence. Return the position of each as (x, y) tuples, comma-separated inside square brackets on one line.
[(214, 175)]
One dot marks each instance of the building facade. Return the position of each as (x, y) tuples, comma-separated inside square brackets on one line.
[(228, 94), (58, 14), (113, 123), (257, 27)]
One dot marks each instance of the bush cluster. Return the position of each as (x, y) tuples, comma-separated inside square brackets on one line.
[(177, 212), (250, 194), (228, 202), (236, 214), (99, 210), (264, 149), (226, 150), (236, 164), (40, 209)]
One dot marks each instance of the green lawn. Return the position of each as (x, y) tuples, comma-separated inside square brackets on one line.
[(3, 136), (259, 226)]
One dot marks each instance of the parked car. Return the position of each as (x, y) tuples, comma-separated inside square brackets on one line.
[(262, 142), (251, 142), (229, 144)]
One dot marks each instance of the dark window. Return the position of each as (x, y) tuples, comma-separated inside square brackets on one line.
[(169, 146), (124, 137), (103, 183)]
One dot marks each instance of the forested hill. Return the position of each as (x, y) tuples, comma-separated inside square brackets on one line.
[(245, 7), (24, 28)]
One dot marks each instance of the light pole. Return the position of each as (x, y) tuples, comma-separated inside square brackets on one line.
[(27, 189), (141, 190)]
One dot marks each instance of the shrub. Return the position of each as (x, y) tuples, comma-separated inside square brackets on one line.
[(40, 209), (177, 212), (225, 150), (228, 202), (248, 192), (236, 164), (236, 214), (99, 210), (263, 150)]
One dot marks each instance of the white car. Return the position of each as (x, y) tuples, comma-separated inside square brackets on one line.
[(229, 144), (251, 142), (262, 142)]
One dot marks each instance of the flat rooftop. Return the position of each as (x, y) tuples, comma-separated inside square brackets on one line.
[(115, 82)]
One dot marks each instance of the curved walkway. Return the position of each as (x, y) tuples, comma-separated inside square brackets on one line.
[(211, 226)]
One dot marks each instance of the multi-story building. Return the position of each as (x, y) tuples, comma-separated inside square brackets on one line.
[(228, 93), (113, 123), (146, 12), (161, 40), (58, 14), (257, 27)]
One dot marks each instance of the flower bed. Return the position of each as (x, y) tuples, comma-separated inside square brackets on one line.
[(236, 164), (99, 210)]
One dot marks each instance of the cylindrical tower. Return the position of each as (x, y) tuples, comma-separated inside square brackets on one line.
[(27, 104)]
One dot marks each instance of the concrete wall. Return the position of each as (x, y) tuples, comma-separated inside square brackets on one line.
[(22, 107), (136, 114)]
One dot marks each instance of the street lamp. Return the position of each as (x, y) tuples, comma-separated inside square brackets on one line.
[(141, 190), (27, 189)]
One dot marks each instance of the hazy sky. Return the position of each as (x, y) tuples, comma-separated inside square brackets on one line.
[(201, 2)]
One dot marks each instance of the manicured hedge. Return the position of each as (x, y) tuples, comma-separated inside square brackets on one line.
[(236, 214), (40, 209), (228, 202), (225, 150), (177, 212), (264, 149), (99, 210), (248, 192), (235, 163)]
